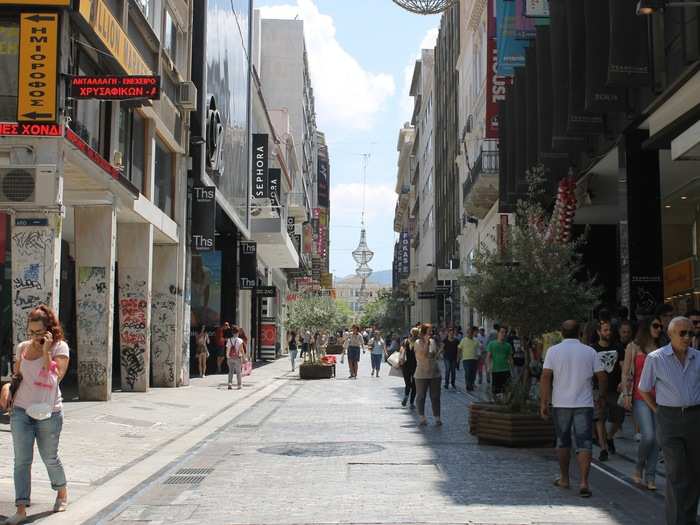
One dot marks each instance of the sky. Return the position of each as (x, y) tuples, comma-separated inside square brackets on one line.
[(361, 58)]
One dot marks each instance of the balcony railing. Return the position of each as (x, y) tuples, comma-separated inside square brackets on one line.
[(486, 165)]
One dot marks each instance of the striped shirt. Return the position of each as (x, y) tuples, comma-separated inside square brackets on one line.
[(676, 384)]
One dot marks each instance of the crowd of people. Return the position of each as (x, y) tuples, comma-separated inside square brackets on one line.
[(230, 344)]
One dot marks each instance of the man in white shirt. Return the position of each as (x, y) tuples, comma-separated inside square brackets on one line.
[(567, 379)]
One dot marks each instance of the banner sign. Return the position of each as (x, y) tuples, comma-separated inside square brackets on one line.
[(495, 82), (268, 335), (513, 32), (323, 179), (248, 265), (274, 180), (110, 32), (203, 218), (113, 87), (628, 63), (308, 239), (261, 181), (38, 57), (537, 8), (404, 254), (265, 291)]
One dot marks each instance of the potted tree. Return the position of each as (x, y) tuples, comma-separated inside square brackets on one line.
[(529, 282)]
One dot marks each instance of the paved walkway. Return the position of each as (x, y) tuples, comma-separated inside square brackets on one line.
[(293, 452)]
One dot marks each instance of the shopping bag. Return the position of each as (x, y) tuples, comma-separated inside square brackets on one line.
[(47, 383), (246, 368), (397, 372), (394, 360)]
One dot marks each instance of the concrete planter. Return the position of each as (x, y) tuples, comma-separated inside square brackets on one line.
[(493, 425), (315, 371)]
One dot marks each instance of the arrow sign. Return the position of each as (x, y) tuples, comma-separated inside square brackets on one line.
[(34, 115), (41, 18)]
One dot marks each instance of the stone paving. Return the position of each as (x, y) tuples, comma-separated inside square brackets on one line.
[(345, 451)]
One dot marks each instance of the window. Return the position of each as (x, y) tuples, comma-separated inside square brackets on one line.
[(172, 37), (90, 117), (9, 70), (132, 137), (163, 178)]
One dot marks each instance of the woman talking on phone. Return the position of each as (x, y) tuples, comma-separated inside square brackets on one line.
[(37, 409)]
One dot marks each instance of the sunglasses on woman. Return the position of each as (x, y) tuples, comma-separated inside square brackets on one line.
[(656, 326)]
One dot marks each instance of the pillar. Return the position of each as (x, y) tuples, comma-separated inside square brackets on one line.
[(36, 258), (95, 253), (135, 256), (165, 354)]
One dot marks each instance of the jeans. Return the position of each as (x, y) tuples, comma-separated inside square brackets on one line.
[(422, 386), (409, 383), (292, 357), (470, 366), (234, 366), (25, 430), (580, 420), (648, 451), (377, 361), (450, 372)]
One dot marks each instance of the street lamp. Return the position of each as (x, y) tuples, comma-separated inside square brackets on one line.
[(649, 7), (425, 7)]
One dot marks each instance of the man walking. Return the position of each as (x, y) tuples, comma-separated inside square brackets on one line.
[(500, 361), (567, 376), (674, 372), (469, 348), (450, 355)]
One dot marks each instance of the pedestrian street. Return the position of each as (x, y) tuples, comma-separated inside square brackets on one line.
[(345, 451)]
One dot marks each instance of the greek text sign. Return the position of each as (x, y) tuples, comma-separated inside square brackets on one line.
[(38, 53), (112, 87)]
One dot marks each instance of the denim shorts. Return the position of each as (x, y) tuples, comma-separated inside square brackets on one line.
[(353, 353), (576, 420)]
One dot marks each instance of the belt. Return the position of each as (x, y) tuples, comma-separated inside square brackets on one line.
[(681, 410)]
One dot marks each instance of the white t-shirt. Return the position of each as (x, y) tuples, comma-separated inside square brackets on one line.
[(573, 365)]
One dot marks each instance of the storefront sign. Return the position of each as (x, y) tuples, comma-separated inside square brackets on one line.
[(260, 170), (678, 277), (404, 254), (23, 129), (203, 218), (93, 155), (112, 87), (39, 221), (274, 180), (265, 291), (248, 265), (323, 180), (110, 32), (62, 3), (426, 295), (38, 56), (513, 31), (268, 335), (495, 82), (308, 238), (537, 8)]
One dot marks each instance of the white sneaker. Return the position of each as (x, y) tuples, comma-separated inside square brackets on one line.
[(16, 519)]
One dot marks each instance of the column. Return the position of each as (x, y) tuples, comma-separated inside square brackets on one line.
[(36, 258), (135, 256), (95, 252), (164, 307)]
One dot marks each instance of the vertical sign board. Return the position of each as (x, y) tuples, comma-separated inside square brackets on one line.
[(404, 254), (322, 181), (248, 261), (495, 83), (274, 180), (261, 189), (203, 218), (38, 57)]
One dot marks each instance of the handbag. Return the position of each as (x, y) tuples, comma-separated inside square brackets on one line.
[(394, 360), (396, 372)]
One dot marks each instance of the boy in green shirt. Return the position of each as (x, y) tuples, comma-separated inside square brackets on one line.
[(500, 360)]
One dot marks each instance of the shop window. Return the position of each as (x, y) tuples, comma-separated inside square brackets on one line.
[(132, 146), (163, 178), (9, 69)]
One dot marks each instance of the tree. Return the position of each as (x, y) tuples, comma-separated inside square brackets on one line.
[(386, 311), (532, 283), (317, 314)]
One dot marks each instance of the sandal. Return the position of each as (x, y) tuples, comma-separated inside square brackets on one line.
[(585, 492), (637, 478), (559, 484)]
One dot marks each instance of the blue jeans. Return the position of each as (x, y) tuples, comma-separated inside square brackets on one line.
[(580, 420), (470, 366), (25, 430), (648, 451), (376, 361), (292, 356), (450, 372)]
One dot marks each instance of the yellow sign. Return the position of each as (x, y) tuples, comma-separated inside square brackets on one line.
[(108, 29), (38, 50), (65, 3), (678, 277)]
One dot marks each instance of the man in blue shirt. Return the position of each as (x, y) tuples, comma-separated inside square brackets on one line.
[(674, 372)]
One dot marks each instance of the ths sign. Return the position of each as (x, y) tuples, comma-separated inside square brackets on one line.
[(38, 53), (203, 218), (261, 188), (111, 87), (248, 265)]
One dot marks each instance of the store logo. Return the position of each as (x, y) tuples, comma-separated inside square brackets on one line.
[(215, 139)]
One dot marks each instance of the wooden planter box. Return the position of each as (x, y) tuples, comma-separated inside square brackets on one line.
[(493, 425), (315, 371), (334, 349)]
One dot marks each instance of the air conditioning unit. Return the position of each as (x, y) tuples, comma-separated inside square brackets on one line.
[(187, 96), (29, 186)]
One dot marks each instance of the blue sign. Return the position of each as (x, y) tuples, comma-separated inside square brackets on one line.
[(513, 33)]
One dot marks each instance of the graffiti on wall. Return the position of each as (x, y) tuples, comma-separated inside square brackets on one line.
[(92, 312), (133, 323), (33, 269), (163, 324)]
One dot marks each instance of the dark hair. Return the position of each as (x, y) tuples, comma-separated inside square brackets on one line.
[(692, 312), (623, 312), (48, 317), (643, 338), (663, 309), (496, 327), (600, 324), (228, 333), (569, 329), (425, 328)]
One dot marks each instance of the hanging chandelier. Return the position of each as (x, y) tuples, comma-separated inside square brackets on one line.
[(425, 7), (362, 254)]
